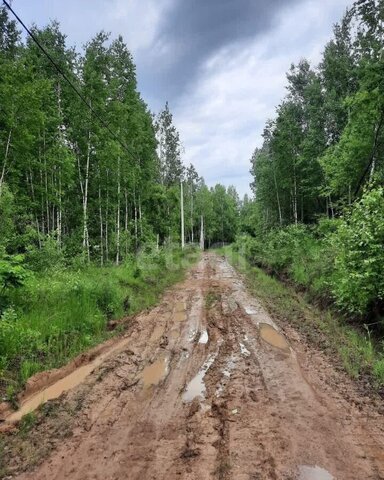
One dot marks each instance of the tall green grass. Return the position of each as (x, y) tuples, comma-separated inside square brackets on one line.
[(58, 314), (360, 354)]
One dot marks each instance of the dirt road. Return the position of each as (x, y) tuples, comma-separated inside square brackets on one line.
[(205, 387)]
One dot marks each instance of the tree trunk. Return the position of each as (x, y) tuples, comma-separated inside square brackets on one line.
[(140, 219), (295, 215), (59, 213), (277, 197), (43, 225), (107, 221), (101, 229), (201, 232), (46, 187), (135, 209), (2, 177), (118, 214), (331, 207), (192, 239), (126, 222), (182, 213), (85, 201)]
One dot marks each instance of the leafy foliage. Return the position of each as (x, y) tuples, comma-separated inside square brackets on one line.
[(358, 284), (318, 213)]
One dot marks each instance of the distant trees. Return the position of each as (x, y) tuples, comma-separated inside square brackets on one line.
[(65, 179), (317, 213), (326, 142)]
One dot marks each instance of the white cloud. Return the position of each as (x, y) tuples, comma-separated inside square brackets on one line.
[(223, 111), (222, 116)]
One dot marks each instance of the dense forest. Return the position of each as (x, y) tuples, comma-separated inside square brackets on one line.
[(97, 188), (318, 212), (89, 179)]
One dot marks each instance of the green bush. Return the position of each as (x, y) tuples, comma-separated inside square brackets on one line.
[(297, 251), (358, 281), (48, 257), (340, 260)]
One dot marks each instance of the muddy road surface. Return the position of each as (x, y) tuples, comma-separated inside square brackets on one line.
[(207, 386)]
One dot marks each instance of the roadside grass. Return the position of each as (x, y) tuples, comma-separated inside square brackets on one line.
[(59, 314), (360, 355)]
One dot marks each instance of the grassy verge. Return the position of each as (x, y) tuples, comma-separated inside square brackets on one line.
[(360, 355), (57, 315)]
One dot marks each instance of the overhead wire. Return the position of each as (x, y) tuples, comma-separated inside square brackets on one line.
[(69, 81)]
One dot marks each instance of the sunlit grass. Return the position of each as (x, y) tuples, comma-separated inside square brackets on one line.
[(54, 317), (357, 351)]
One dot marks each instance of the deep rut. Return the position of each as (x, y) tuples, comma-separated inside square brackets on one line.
[(206, 387)]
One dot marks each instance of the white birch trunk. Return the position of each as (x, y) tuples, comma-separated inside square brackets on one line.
[(182, 213), (192, 238), (126, 222), (140, 218), (2, 177), (118, 214), (85, 200), (101, 229), (136, 229), (201, 232)]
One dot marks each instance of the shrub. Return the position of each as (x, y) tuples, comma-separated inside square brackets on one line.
[(358, 281)]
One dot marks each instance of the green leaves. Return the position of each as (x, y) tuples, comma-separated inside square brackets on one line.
[(358, 284), (12, 272)]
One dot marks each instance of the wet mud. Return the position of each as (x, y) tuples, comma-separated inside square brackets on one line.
[(201, 390)]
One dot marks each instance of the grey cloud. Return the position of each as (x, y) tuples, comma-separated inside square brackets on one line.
[(193, 30)]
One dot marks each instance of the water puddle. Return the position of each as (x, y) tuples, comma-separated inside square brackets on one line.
[(244, 351), (157, 333), (179, 316), (196, 387), (155, 373), (250, 310), (227, 372), (173, 334), (63, 385), (203, 337), (192, 335), (314, 473), (273, 337), (180, 307)]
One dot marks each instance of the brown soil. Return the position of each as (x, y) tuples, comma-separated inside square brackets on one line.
[(205, 386)]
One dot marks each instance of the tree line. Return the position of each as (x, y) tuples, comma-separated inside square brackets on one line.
[(326, 142), (66, 182), (318, 208)]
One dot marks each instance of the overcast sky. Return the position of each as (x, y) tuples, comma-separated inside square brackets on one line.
[(221, 64)]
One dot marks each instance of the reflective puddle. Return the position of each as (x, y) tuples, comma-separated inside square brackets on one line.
[(244, 350), (314, 473), (196, 387), (250, 310), (173, 334), (155, 373), (157, 333), (179, 314), (203, 337), (67, 383), (227, 372), (180, 307), (192, 334), (273, 337)]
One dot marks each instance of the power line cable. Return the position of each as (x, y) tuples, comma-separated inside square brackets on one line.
[(69, 81)]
